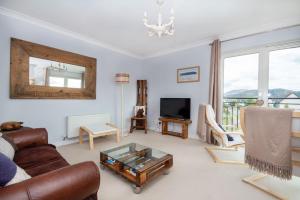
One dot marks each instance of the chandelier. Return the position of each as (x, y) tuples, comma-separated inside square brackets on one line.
[(160, 29), (60, 67)]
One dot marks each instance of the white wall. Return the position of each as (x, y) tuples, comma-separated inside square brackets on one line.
[(161, 72), (52, 114)]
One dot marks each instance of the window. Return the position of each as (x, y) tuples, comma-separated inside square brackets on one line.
[(240, 86), (241, 72), (284, 78), (56, 81), (74, 83), (271, 74)]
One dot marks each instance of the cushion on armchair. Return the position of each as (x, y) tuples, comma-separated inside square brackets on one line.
[(8, 170), (10, 173), (6, 148), (40, 160), (229, 138), (20, 176)]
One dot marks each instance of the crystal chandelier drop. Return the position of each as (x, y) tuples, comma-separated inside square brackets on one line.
[(160, 29)]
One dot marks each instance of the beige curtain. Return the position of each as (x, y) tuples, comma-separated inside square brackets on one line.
[(215, 83)]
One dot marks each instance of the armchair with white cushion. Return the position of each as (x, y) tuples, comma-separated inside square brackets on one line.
[(227, 141)]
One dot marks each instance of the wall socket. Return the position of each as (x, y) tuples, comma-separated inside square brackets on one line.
[(158, 126)]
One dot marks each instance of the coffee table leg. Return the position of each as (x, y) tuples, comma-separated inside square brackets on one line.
[(102, 166), (136, 189)]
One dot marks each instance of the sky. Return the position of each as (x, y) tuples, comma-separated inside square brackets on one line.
[(241, 72)]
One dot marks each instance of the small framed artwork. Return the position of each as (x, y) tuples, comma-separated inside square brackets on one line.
[(188, 74)]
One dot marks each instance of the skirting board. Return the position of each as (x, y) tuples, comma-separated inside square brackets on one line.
[(68, 141), (193, 136)]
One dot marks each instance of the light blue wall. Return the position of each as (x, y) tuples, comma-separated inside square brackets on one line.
[(162, 81), (51, 114), (161, 72)]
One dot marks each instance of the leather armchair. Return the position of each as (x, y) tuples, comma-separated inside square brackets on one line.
[(74, 182), (77, 182)]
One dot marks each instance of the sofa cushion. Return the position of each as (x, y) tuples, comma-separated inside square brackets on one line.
[(6, 148), (39, 160), (20, 176), (8, 170)]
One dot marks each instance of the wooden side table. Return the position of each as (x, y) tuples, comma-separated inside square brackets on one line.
[(98, 130), (184, 124), (136, 125)]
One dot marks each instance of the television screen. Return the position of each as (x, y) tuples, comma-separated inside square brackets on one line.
[(175, 107)]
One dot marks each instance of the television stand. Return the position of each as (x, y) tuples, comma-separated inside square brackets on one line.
[(184, 124)]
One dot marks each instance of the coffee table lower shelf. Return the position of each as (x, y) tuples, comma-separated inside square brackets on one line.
[(141, 177)]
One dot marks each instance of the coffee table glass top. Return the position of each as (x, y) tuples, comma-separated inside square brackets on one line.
[(135, 156)]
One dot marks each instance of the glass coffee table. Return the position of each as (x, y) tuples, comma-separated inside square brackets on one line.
[(137, 163)]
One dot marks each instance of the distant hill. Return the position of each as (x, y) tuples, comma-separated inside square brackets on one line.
[(274, 93), (241, 94)]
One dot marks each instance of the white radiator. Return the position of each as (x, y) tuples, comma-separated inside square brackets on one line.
[(74, 122)]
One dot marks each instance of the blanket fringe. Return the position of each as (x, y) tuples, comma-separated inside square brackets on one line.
[(283, 172)]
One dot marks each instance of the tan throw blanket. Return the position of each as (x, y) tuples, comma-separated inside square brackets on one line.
[(268, 140)]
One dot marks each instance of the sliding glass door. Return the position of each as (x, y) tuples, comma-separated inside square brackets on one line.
[(270, 74), (240, 86), (284, 78)]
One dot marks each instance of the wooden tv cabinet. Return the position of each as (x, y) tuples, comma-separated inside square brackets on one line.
[(184, 124)]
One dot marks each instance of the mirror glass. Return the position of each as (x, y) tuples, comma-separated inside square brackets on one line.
[(50, 73)]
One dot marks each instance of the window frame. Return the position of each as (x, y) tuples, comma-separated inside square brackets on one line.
[(263, 65)]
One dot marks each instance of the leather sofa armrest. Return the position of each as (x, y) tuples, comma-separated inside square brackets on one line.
[(28, 138), (75, 182)]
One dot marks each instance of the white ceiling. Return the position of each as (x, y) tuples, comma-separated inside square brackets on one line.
[(117, 24)]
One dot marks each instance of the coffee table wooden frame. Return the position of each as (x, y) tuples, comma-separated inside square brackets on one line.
[(144, 175)]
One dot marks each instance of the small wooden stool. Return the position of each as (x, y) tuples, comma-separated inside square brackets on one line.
[(142, 120)]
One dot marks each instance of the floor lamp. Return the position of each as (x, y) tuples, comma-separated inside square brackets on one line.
[(122, 78)]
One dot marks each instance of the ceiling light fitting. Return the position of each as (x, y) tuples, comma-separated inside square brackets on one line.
[(160, 29)]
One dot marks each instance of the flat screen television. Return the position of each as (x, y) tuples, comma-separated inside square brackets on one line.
[(175, 107)]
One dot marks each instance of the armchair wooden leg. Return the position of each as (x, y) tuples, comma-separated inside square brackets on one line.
[(80, 136), (91, 140), (145, 126), (218, 160), (251, 180)]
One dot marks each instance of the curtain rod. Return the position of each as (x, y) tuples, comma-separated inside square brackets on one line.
[(244, 36)]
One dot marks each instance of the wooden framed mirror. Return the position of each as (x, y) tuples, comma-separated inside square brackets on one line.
[(42, 72)]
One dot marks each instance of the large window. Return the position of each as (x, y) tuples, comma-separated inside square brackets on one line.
[(240, 86), (284, 78), (271, 74)]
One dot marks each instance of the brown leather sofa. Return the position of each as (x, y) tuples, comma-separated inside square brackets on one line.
[(53, 178)]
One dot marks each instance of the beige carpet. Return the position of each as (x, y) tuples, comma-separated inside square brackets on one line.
[(193, 176)]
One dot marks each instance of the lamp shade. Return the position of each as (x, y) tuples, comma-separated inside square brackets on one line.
[(122, 78)]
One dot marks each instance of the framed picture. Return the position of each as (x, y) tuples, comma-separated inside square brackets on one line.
[(188, 74)]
